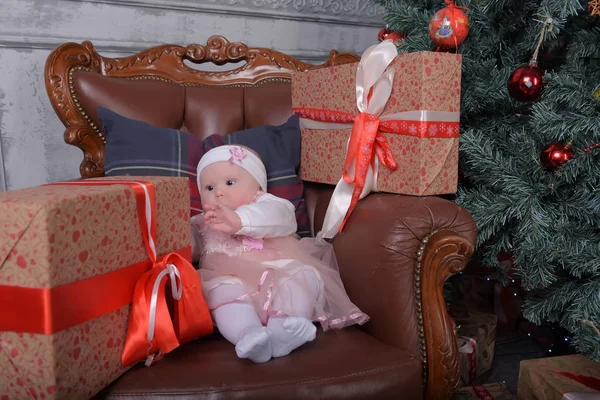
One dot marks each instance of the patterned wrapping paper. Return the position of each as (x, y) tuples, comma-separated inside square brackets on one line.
[(490, 391), (56, 235), (538, 381), (476, 330), (423, 81)]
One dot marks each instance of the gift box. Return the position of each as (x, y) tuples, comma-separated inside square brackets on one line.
[(490, 391), (418, 126), (557, 378), (72, 257), (476, 341)]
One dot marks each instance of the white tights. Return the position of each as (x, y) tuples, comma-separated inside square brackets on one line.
[(239, 323)]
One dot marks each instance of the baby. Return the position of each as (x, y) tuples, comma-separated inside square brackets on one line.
[(264, 287)]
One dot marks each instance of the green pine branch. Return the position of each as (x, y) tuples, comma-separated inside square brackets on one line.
[(548, 220)]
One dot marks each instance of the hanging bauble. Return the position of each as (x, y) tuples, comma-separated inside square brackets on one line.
[(383, 32), (597, 94), (556, 155), (525, 83), (449, 26), (394, 36)]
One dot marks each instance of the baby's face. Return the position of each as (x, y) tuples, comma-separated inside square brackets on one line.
[(227, 184)]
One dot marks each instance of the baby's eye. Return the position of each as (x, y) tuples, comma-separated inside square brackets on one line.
[(230, 182), (210, 188)]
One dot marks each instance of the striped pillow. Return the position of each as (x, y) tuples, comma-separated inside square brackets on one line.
[(137, 148)]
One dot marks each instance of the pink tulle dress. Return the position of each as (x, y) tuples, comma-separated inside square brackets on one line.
[(264, 268)]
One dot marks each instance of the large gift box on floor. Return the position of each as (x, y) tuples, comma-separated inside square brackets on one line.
[(559, 378), (70, 257), (490, 391), (476, 342), (419, 121)]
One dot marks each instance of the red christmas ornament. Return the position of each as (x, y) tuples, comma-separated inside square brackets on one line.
[(394, 36), (556, 155), (525, 83), (449, 26)]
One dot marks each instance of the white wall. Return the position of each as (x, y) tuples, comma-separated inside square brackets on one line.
[(32, 150)]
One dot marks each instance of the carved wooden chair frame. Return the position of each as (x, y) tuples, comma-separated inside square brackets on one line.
[(440, 255), (164, 63)]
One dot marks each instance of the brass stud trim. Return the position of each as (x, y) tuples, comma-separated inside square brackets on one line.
[(191, 84), (418, 304), (78, 103)]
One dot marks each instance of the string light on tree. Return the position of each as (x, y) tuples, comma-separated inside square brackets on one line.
[(526, 82), (592, 147), (449, 26)]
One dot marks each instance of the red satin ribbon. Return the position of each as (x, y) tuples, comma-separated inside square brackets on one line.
[(589, 381), (367, 141), (191, 318), (419, 129), (451, 5), (51, 310), (482, 393), (191, 315)]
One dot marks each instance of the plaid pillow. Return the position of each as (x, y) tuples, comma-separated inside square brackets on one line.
[(137, 148)]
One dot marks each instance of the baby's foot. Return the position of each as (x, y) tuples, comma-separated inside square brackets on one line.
[(255, 345), (290, 333)]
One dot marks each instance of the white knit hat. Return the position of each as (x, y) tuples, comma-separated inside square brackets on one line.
[(238, 155)]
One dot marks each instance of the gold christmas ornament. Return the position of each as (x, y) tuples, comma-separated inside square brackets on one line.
[(597, 93)]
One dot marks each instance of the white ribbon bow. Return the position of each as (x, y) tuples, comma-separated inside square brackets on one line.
[(372, 73), (176, 291)]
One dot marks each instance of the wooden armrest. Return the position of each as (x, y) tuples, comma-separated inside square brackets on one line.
[(395, 254)]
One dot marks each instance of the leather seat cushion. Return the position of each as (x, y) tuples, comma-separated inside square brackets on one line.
[(346, 364)]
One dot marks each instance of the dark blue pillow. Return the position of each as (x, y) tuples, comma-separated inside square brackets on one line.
[(137, 148)]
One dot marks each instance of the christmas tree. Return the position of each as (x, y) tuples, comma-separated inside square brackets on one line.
[(529, 146)]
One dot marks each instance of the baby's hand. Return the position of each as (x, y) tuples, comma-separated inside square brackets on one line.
[(222, 219)]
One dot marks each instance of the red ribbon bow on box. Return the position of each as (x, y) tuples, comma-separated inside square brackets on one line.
[(366, 143), (150, 331)]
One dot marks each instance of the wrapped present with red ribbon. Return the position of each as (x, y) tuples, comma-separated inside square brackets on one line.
[(476, 342), (95, 276), (388, 123), (490, 391), (572, 377)]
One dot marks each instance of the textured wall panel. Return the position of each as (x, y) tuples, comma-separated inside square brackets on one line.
[(32, 150)]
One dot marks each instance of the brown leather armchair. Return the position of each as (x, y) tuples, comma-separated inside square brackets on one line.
[(395, 252)]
